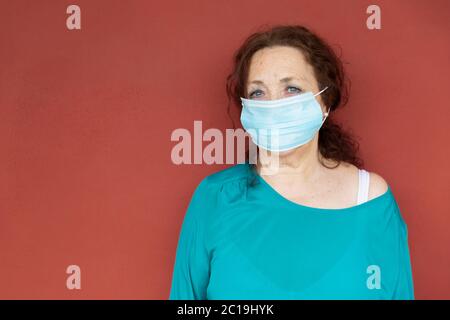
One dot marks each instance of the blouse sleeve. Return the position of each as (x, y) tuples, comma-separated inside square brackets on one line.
[(190, 274), (404, 289)]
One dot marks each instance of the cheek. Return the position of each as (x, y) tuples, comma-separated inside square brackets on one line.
[(321, 102)]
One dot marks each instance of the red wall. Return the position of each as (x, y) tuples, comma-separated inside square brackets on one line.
[(86, 176)]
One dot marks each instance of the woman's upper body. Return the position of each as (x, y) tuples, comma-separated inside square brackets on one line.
[(294, 228), (241, 239)]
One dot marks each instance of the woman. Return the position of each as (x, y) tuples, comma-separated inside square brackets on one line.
[(318, 226)]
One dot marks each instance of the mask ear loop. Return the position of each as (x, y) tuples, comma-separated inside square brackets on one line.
[(321, 91), (326, 116), (329, 109)]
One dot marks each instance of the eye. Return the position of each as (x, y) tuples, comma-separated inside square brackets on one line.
[(255, 93), (293, 89)]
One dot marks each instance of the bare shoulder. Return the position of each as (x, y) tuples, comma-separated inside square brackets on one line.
[(377, 185)]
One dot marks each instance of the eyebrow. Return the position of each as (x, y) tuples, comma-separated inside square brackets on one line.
[(284, 80)]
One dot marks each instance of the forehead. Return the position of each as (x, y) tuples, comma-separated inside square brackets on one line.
[(270, 64)]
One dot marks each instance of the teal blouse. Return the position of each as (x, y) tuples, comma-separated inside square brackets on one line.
[(241, 239)]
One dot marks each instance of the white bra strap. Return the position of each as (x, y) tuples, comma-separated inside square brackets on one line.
[(363, 187)]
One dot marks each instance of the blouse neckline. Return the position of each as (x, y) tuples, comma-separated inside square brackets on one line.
[(355, 208)]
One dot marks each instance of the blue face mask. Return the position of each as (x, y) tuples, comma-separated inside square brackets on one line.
[(282, 124)]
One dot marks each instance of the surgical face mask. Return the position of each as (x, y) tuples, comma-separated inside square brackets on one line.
[(282, 124)]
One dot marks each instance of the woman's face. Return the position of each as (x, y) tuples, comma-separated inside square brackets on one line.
[(280, 72)]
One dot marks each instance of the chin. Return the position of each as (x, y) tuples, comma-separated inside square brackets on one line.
[(287, 152), (280, 153)]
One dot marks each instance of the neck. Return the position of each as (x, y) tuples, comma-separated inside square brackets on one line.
[(301, 163)]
